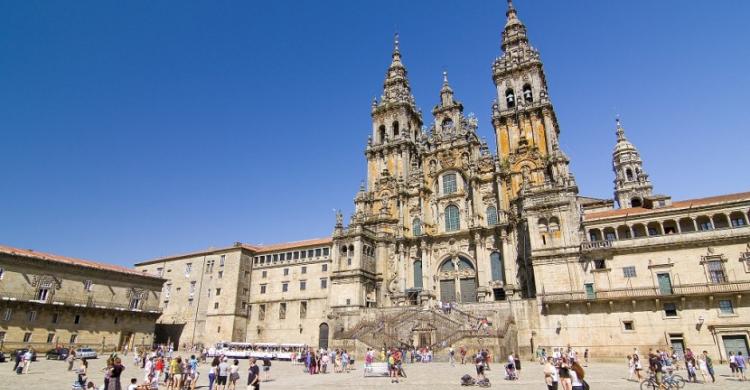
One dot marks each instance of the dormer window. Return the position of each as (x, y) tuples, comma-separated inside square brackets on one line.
[(510, 98), (527, 95)]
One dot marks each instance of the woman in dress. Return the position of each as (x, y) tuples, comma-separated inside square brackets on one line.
[(564, 371), (637, 366), (702, 367)]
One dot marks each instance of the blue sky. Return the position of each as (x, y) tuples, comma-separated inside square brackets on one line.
[(131, 130)]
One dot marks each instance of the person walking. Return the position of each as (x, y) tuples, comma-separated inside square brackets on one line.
[(71, 358), (709, 366), (82, 373), (234, 374), (253, 375), (452, 356), (267, 368), (551, 377), (27, 358), (114, 375), (741, 364), (637, 366), (213, 372)]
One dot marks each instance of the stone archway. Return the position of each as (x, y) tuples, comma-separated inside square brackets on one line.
[(458, 280), (323, 336)]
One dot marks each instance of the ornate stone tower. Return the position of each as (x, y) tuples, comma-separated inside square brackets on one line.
[(396, 125), (632, 184), (535, 181)]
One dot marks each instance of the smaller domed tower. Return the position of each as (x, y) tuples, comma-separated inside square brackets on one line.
[(632, 184)]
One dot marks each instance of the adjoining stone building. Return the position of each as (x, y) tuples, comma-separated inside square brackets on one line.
[(48, 300), (506, 237)]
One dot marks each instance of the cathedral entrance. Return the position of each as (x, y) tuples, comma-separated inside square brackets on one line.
[(458, 280)]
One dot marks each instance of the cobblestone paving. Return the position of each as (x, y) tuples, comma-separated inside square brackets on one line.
[(53, 375)]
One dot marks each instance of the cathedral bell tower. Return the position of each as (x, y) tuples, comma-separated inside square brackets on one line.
[(535, 181), (396, 125), (525, 124), (632, 184)]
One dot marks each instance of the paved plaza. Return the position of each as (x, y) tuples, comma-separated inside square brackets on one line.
[(53, 375)]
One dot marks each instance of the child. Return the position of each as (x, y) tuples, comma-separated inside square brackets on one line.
[(133, 384)]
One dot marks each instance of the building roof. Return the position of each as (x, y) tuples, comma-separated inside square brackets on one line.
[(32, 254), (683, 204), (251, 247)]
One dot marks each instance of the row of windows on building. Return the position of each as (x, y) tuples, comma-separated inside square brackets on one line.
[(453, 219), (714, 269), (189, 267), (302, 286), (51, 338), (282, 314), (303, 271), (295, 255), (670, 309), (56, 318)]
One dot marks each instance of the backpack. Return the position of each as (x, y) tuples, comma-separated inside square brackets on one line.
[(467, 380)]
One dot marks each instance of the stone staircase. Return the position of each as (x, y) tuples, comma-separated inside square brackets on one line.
[(401, 327)]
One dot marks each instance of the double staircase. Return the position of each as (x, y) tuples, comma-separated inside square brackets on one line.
[(427, 327)]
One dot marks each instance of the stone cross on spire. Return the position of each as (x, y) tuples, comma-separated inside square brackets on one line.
[(620, 130), (396, 87)]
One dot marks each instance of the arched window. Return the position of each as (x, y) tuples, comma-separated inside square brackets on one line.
[(395, 129), (491, 216), (496, 263), (381, 133), (416, 227), (554, 224), (418, 274), (447, 124), (452, 221), (636, 202), (449, 183), (527, 96), (510, 98), (629, 174)]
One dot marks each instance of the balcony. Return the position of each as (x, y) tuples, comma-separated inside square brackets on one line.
[(78, 300), (697, 289), (596, 245)]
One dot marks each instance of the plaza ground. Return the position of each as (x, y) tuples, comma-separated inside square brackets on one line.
[(53, 375)]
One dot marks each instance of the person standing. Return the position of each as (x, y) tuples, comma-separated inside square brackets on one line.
[(82, 373), (637, 366), (221, 382), (114, 376), (462, 351), (586, 358), (733, 363), (452, 356), (253, 375), (234, 374), (267, 368)]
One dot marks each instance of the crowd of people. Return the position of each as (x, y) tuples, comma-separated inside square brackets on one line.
[(324, 361)]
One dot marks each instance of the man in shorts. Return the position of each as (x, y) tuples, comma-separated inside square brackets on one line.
[(741, 365), (221, 380)]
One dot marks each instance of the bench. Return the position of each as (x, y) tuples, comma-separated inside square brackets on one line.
[(376, 369)]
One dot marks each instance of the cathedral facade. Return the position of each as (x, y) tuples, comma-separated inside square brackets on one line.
[(505, 238)]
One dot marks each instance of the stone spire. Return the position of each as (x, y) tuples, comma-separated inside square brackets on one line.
[(396, 87), (514, 34), (446, 92), (632, 184), (448, 104)]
